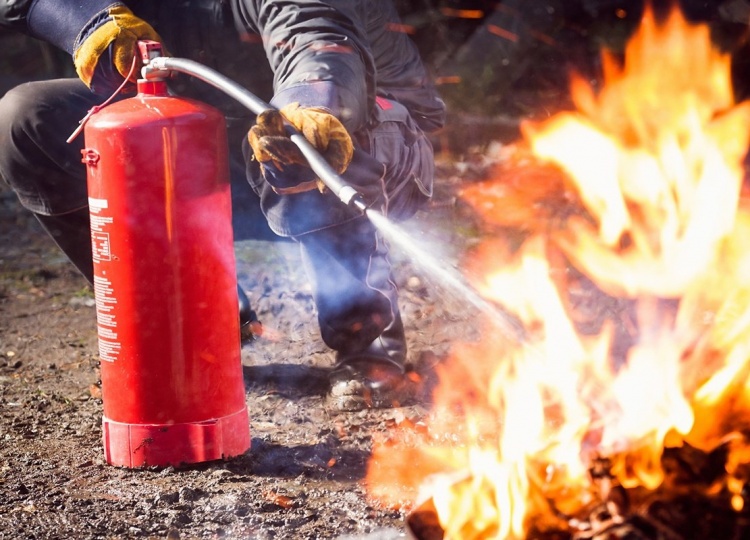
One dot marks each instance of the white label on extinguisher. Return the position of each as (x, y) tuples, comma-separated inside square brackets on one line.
[(109, 345), (97, 204), (100, 244)]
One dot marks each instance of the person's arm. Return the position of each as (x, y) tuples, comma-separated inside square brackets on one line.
[(100, 35), (60, 22), (319, 55)]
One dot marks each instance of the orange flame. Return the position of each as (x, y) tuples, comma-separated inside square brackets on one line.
[(620, 242)]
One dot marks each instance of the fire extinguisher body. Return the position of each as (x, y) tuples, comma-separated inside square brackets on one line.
[(165, 281)]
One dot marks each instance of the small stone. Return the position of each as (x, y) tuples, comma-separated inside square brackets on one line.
[(189, 494), (167, 498)]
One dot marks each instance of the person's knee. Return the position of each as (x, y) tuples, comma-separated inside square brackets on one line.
[(44, 106), (17, 105), (35, 160), (19, 111), (15, 114)]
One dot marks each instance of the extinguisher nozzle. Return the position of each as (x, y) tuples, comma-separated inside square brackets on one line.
[(348, 195), (359, 203)]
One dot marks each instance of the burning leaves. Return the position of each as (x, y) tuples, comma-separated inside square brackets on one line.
[(633, 200)]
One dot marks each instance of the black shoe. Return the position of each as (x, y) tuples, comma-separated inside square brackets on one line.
[(368, 384), (374, 377), (250, 326)]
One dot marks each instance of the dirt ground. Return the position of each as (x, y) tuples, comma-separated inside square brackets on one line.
[(303, 476)]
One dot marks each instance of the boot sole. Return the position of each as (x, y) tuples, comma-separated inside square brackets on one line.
[(356, 397)]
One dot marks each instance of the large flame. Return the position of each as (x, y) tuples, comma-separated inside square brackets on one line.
[(621, 244)]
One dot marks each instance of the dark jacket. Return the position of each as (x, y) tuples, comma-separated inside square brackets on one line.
[(334, 53), (366, 53)]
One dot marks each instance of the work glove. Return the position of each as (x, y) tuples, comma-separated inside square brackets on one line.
[(104, 57), (283, 165)]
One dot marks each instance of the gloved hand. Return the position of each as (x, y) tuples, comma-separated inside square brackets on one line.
[(105, 55), (283, 164)]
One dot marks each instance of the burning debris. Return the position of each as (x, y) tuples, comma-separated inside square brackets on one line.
[(619, 234)]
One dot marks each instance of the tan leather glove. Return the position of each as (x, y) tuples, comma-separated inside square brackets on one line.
[(120, 31), (272, 146)]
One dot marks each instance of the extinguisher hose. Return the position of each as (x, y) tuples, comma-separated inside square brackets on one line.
[(157, 67)]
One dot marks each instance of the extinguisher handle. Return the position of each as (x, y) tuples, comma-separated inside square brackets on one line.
[(149, 49), (155, 68)]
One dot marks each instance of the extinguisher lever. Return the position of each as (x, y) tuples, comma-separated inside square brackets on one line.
[(148, 50), (155, 66)]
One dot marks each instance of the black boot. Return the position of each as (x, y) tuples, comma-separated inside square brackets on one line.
[(373, 377), (358, 315)]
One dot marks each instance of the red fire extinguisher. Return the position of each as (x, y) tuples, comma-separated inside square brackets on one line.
[(165, 281)]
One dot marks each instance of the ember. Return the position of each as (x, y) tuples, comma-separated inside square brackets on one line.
[(618, 238)]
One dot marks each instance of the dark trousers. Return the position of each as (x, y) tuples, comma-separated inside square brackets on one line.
[(355, 294)]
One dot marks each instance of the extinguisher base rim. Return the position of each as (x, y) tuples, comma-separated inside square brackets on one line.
[(135, 445)]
